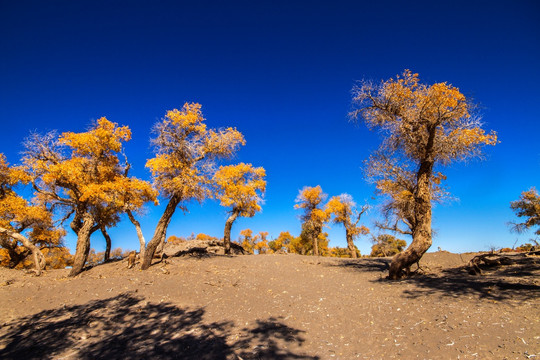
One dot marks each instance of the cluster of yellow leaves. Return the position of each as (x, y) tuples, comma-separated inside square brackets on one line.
[(18, 215), (185, 151), (91, 173), (252, 244), (387, 245), (472, 137), (342, 208), (189, 118), (57, 257), (341, 252), (241, 187), (84, 172), (425, 122), (282, 243), (527, 206), (310, 199), (102, 140)]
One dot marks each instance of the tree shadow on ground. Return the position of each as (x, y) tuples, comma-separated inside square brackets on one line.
[(516, 282), (127, 327), (370, 264)]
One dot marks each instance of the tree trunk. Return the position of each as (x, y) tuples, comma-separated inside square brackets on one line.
[(39, 259), (350, 244), (83, 244), (421, 233), (107, 255), (140, 235), (161, 230), (227, 233), (315, 245)]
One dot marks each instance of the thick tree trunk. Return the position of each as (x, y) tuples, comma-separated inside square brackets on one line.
[(350, 244), (160, 232), (39, 259), (421, 233), (83, 244), (227, 232), (140, 235), (107, 255)]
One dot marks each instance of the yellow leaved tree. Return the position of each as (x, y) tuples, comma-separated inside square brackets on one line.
[(424, 127), (314, 217), (343, 209), (247, 240), (184, 164), (80, 174), (528, 207), (261, 242), (281, 244), (24, 226), (241, 188)]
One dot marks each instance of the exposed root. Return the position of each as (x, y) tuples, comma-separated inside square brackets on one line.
[(491, 260)]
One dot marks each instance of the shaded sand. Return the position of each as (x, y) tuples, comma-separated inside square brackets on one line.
[(272, 307)]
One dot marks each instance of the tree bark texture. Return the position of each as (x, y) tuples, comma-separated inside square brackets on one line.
[(350, 243), (140, 235), (107, 255), (315, 245), (227, 232), (83, 244), (160, 232), (421, 232), (39, 259)]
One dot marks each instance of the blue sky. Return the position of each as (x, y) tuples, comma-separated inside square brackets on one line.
[(281, 72)]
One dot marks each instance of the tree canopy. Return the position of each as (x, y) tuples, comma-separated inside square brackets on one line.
[(527, 207)]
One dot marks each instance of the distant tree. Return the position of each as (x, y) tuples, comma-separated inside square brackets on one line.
[(186, 152), (175, 240), (282, 242), (57, 257), (261, 243), (304, 243), (81, 174), (528, 207), (24, 226), (386, 245), (425, 126), (241, 188), (342, 252), (247, 241), (309, 199), (205, 237), (297, 245), (343, 209), (526, 247)]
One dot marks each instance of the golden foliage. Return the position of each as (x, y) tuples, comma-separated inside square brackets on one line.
[(19, 215), (310, 199), (186, 151), (83, 169), (343, 209), (241, 187), (175, 240), (281, 244), (527, 206), (205, 237), (425, 122), (57, 257), (247, 241), (386, 245)]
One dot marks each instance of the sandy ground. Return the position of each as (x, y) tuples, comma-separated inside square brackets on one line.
[(272, 307)]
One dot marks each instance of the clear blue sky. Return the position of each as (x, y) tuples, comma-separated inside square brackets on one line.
[(281, 72)]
